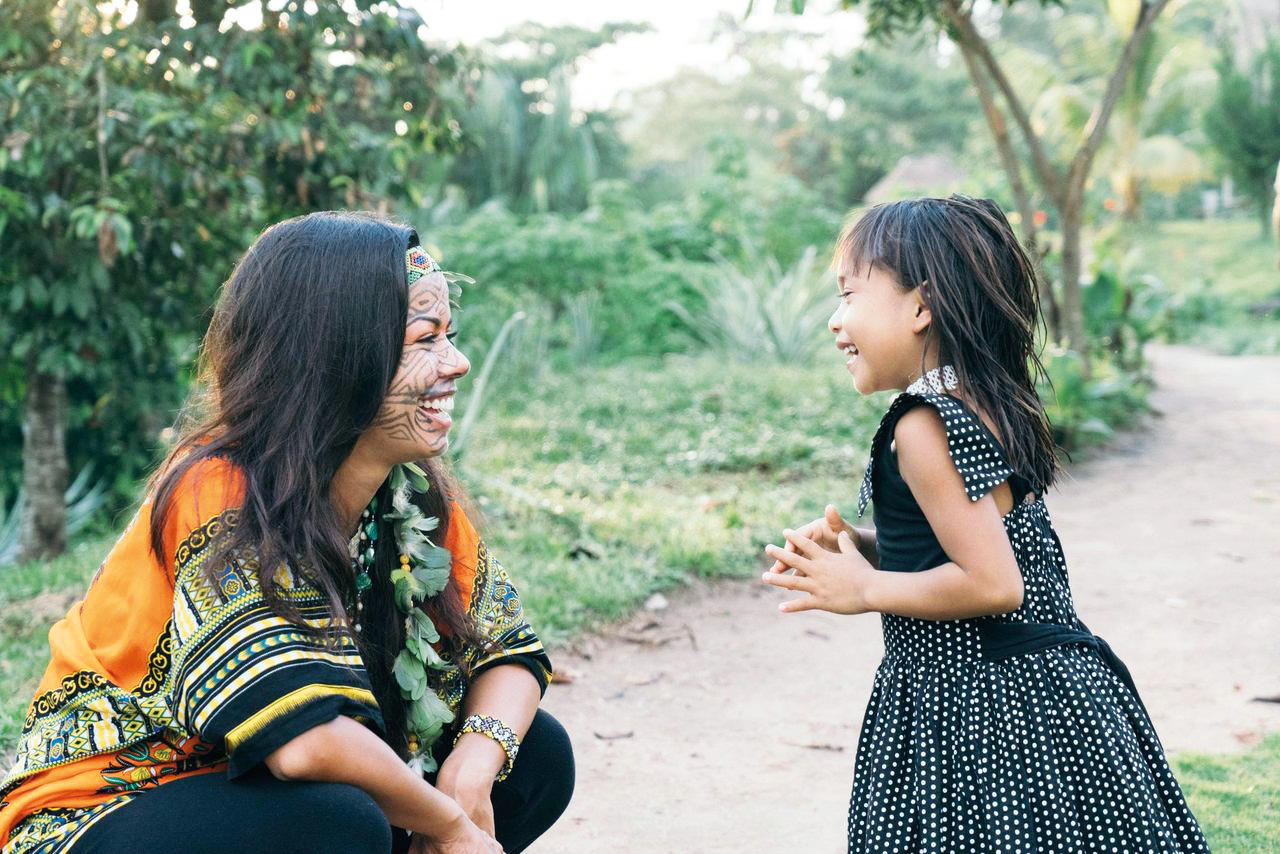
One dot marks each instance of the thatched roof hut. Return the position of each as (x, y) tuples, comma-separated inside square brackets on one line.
[(916, 175)]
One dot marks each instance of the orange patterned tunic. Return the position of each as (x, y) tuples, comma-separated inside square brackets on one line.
[(164, 671)]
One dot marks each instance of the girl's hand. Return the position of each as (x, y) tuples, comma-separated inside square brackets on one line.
[(464, 838), (834, 581), (825, 532)]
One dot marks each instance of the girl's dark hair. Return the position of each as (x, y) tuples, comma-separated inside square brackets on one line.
[(980, 288), (299, 356)]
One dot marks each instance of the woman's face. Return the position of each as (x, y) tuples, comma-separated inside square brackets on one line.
[(414, 420)]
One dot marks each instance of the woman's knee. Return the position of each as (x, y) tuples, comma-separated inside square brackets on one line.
[(548, 775), (341, 818)]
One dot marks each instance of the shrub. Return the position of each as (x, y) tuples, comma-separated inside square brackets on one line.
[(760, 310), (1082, 409)]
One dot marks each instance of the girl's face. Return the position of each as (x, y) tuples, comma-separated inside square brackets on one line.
[(414, 420), (879, 326)]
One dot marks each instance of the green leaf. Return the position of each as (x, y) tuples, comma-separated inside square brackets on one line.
[(424, 628), (81, 303), (410, 674), (416, 477), (432, 659), (160, 118), (408, 589), (439, 558), (37, 291), (427, 716), (429, 763)]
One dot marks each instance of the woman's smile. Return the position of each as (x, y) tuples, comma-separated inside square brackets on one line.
[(436, 409)]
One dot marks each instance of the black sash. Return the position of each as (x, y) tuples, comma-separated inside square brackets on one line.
[(1001, 640)]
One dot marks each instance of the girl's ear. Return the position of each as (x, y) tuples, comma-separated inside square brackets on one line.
[(921, 315)]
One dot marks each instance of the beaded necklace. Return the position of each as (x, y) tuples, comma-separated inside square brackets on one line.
[(362, 557)]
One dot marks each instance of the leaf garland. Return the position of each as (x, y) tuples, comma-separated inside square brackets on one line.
[(424, 574)]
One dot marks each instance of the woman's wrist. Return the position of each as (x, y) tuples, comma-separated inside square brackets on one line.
[(474, 757), (496, 731), (451, 824), (447, 817)]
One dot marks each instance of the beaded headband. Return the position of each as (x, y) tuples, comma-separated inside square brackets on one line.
[(418, 264)]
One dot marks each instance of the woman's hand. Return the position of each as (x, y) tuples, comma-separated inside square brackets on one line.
[(467, 776), (835, 581), (824, 531), (465, 838)]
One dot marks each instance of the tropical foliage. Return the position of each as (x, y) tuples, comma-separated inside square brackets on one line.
[(600, 238), (1243, 122)]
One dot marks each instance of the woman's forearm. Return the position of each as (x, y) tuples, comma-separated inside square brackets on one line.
[(507, 692), (344, 751)]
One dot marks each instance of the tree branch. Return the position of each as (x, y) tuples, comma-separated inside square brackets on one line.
[(101, 135), (1095, 130), (967, 34), (1000, 132), (1013, 169)]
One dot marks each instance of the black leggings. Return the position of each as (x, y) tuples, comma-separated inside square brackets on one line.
[(209, 814)]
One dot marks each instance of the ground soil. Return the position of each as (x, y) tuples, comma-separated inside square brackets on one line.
[(716, 724)]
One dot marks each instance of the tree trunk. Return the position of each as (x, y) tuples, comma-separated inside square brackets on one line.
[(44, 467), (1022, 198), (1072, 305)]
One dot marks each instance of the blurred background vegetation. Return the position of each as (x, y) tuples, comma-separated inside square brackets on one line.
[(658, 396), (657, 266)]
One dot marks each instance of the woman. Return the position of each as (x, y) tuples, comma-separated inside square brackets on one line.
[(276, 633)]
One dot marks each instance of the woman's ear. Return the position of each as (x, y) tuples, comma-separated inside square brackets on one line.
[(921, 315)]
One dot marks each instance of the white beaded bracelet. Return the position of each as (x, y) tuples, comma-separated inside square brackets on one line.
[(499, 732)]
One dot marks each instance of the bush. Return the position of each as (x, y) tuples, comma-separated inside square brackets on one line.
[(1084, 410), (760, 310), (602, 284)]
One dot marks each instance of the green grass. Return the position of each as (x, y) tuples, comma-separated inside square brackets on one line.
[(1222, 273), (32, 596), (1231, 254), (608, 484), (1235, 797), (1240, 335)]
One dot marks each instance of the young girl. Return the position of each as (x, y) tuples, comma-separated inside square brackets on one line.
[(998, 722)]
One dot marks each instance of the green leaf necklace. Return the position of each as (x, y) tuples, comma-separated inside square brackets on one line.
[(423, 573)]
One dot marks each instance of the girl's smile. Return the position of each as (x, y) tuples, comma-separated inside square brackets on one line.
[(879, 327)]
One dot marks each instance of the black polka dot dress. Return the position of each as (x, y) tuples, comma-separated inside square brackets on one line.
[(1044, 751)]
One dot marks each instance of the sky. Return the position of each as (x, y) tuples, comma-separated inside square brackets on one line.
[(679, 37)]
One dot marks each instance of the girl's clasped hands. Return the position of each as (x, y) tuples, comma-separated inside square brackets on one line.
[(822, 560)]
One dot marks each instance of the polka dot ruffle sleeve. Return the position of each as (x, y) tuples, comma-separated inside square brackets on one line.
[(974, 450)]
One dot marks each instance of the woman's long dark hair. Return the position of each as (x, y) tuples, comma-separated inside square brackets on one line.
[(980, 288), (299, 356)]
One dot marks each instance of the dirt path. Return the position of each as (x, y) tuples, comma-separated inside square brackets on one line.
[(737, 733)]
